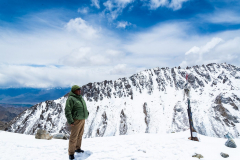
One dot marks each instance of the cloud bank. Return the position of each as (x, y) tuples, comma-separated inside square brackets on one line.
[(79, 51), (215, 51)]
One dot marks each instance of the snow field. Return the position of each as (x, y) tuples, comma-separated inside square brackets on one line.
[(174, 146)]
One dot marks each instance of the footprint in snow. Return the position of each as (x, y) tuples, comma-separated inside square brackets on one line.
[(82, 156)]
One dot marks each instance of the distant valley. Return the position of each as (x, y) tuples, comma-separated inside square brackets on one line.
[(14, 101), (27, 97), (8, 113)]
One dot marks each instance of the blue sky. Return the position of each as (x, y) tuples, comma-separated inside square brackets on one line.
[(140, 13), (58, 43)]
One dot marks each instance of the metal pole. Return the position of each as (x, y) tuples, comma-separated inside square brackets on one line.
[(189, 118)]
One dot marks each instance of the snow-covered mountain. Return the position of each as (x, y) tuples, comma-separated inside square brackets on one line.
[(149, 102)]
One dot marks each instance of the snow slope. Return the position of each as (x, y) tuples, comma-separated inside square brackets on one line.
[(143, 146), (149, 102)]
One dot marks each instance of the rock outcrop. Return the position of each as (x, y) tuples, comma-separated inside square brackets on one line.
[(43, 134)]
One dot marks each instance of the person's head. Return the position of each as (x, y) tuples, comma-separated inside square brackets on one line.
[(76, 89)]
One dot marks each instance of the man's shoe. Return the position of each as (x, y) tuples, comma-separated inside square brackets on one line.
[(71, 157), (79, 151)]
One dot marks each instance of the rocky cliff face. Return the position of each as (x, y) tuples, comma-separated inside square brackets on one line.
[(149, 102)]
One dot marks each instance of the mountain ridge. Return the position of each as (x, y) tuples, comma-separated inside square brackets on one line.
[(150, 101)]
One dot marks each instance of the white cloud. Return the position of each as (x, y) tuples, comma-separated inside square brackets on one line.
[(210, 45), (154, 4), (87, 56), (123, 24), (109, 5), (83, 10), (80, 26), (221, 16), (119, 69), (96, 3), (171, 44), (124, 70), (215, 51), (41, 47), (160, 40), (50, 76), (50, 46), (174, 4), (206, 48), (193, 50), (113, 8)]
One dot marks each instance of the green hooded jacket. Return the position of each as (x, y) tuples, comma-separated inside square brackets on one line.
[(75, 108)]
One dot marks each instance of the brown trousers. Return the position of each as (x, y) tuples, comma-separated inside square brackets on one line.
[(75, 139)]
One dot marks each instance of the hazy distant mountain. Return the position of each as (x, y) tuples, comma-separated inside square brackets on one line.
[(149, 102), (26, 97), (3, 125), (8, 113)]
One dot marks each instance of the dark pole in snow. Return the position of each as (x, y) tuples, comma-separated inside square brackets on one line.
[(187, 89), (189, 115)]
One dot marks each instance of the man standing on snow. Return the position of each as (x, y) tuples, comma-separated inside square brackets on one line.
[(76, 112)]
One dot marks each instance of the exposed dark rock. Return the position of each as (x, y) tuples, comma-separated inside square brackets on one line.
[(123, 124), (147, 116), (230, 143), (198, 156), (103, 126), (228, 118), (224, 155), (160, 80), (214, 83), (43, 134), (220, 99)]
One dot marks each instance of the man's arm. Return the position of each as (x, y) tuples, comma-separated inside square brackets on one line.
[(68, 111)]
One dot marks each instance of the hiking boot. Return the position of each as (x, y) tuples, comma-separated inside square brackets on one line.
[(79, 151), (71, 157)]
